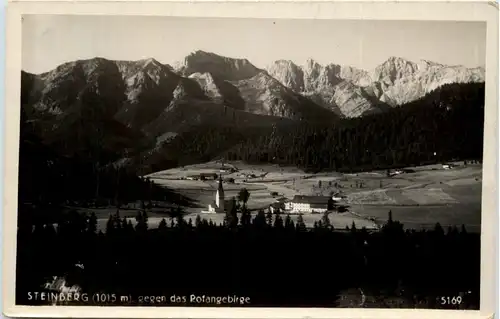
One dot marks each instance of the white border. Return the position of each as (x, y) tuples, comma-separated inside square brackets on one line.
[(458, 11)]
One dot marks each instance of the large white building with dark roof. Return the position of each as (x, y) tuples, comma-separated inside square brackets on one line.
[(310, 204)]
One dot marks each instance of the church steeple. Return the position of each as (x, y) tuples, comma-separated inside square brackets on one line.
[(219, 196), (220, 183)]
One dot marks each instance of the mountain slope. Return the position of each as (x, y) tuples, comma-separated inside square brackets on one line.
[(352, 92), (446, 124), (419, 79), (219, 90), (239, 84), (266, 95)]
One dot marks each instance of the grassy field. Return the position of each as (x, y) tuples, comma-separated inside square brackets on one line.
[(419, 199)]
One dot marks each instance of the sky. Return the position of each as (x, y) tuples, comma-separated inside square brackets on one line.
[(50, 40)]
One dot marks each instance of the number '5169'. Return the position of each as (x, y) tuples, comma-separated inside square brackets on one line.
[(451, 300)]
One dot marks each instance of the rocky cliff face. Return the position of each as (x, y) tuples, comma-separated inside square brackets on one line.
[(352, 92)]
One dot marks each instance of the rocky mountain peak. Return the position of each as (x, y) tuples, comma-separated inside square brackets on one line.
[(394, 68), (288, 73), (225, 68)]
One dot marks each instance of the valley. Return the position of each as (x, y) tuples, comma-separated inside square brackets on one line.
[(419, 199), (294, 123)]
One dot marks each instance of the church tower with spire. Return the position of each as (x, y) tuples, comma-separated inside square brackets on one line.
[(219, 196)]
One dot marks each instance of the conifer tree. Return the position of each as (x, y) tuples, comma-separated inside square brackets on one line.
[(162, 225), (142, 221), (124, 223), (301, 226), (353, 227), (269, 218), (325, 220), (110, 225), (259, 220), (243, 196), (92, 224), (289, 225), (246, 217), (278, 220), (197, 221)]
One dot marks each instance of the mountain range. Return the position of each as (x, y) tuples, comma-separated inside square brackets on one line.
[(283, 89), (131, 105)]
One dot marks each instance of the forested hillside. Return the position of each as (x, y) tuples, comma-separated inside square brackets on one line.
[(446, 124), (48, 180)]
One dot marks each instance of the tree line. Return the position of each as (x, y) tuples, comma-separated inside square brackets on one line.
[(445, 125)]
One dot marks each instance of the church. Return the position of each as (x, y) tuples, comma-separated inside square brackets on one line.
[(219, 203)]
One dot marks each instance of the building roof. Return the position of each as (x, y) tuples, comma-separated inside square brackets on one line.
[(208, 174), (311, 199), (277, 205), (319, 206)]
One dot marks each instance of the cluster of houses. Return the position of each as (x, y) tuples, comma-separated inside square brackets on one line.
[(299, 203), (202, 177)]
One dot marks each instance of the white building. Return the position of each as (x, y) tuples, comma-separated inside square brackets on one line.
[(310, 204), (337, 197)]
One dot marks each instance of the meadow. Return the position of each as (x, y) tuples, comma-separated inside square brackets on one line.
[(418, 198)]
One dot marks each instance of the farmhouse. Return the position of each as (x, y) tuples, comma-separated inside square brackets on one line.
[(396, 172), (276, 207), (311, 204), (227, 170), (337, 197), (206, 176)]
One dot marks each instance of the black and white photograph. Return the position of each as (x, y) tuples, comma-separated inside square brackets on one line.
[(250, 162)]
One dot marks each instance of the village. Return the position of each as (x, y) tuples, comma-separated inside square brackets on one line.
[(299, 204), (361, 198)]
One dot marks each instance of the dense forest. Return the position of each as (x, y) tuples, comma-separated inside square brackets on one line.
[(270, 259), (49, 180), (444, 125)]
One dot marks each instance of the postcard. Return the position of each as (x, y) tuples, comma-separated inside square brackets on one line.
[(232, 161)]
